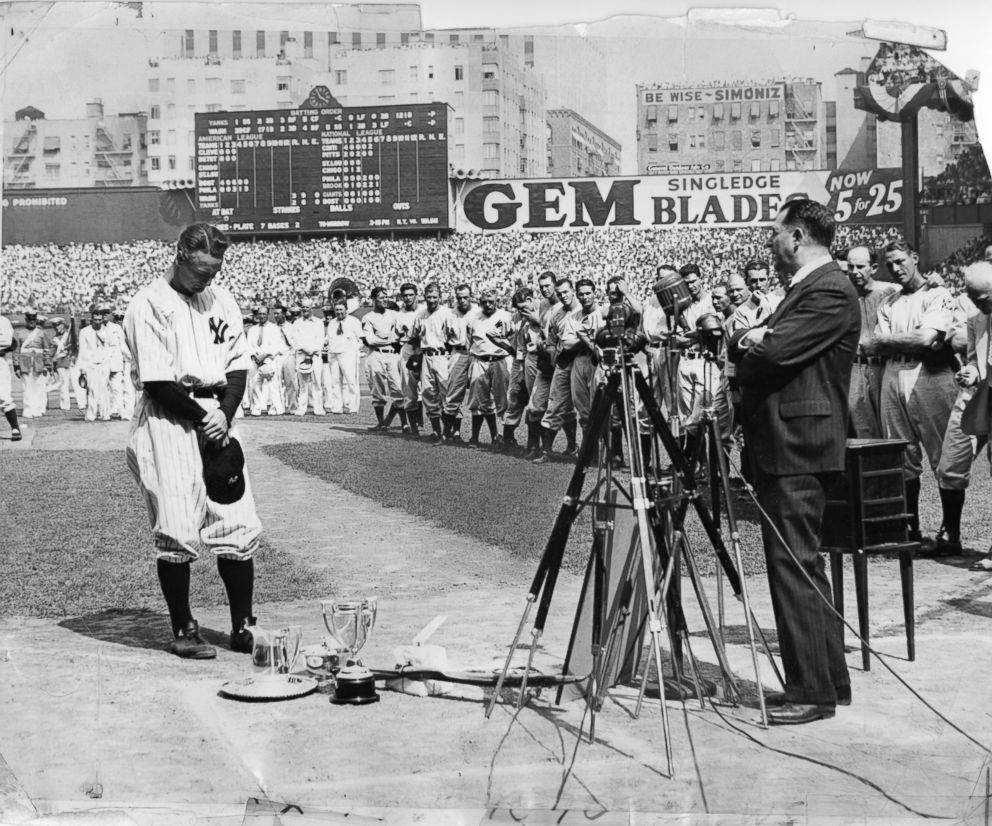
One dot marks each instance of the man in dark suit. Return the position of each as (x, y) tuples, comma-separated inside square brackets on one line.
[(794, 372)]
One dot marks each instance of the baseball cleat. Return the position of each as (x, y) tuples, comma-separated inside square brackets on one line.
[(190, 645)]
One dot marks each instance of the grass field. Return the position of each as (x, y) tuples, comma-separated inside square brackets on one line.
[(76, 536)]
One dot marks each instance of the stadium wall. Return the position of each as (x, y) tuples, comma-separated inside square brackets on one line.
[(939, 242), (92, 216)]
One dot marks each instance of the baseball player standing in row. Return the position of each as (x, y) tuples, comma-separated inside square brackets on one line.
[(62, 361), (409, 380), (33, 364), (459, 364), (432, 326), (191, 362), (308, 341), (488, 370), (96, 353), (383, 365), (6, 393)]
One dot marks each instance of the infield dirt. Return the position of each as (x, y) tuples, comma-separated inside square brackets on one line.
[(102, 725)]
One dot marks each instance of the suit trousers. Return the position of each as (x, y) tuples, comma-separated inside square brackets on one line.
[(810, 635)]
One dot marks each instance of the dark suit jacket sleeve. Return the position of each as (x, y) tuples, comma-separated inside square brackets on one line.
[(813, 326)]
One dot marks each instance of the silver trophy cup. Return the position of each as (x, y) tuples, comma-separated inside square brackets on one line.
[(349, 623)]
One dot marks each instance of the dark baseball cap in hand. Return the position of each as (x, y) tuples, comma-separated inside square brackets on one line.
[(224, 471)]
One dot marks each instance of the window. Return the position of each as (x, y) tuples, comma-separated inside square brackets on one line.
[(490, 125), (490, 151), (172, 162), (156, 164), (652, 141), (459, 126), (719, 141), (775, 139), (755, 138), (213, 85), (212, 42), (459, 99), (52, 170), (737, 166), (735, 110), (283, 40), (429, 37), (191, 138), (430, 72), (490, 97), (380, 40), (188, 42), (191, 86), (404, 38), (414, 72), (452, 38), (717, 111), (459, 153), (737, 140), (490, 71), (153, 84), (340, 77), (504, 41), (126, 141), (236, 44), (170, 110), (282, 83), (673, 114), (52, 145), (776, 164), (154, 137), (756, 165), (673, 141), (170, 84), (387, 77), (755, 110), (170, 137), (459, 72), (237, 87), (652, 114), (356, 40), (332, 38), (772, 109), (259, 44), (691, 113), (155, 112), (191, 164)]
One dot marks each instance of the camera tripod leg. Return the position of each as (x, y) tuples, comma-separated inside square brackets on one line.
[(549, 566)]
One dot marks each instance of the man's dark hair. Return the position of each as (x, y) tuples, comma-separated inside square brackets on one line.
[(690, 269), (547, 274), (585, 282), (432, 286), (815, 218), (377, 291), (202, 238), (666, 268), (898, 245), (522, 295), (564, 280), (464, 287), (754, 264), (408, 286)]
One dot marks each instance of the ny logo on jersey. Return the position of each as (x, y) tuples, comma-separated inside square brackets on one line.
[(219, 328)]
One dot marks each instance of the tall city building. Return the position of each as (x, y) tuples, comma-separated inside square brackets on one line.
[(577, 148), (95, 151), (730, 127), (496, 103)]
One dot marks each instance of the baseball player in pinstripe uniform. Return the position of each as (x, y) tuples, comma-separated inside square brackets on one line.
[(432, 326), (459, 364), (6, 395), (191, 360), (488, 370), (383, 364), (539, 361), (409, 380), (561, 412)]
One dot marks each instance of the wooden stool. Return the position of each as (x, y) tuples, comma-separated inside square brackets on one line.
[(866, 514)]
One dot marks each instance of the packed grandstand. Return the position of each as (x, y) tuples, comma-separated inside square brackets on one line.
[(68, 278)]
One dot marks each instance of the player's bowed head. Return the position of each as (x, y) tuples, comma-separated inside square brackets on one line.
[(199, 257)]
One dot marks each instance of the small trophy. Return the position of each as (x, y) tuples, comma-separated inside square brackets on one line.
[(349, 623)]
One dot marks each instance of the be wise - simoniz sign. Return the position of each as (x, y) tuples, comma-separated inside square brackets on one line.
[(658, 201)]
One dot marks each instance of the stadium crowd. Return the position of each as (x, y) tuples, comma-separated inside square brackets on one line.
[(67, 279)]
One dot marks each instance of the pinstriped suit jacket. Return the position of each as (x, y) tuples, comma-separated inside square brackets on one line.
[(794, 384)]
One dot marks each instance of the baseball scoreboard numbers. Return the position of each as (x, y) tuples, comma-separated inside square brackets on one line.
[(324, 169)]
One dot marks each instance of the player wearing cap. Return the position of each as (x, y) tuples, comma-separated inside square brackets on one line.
[(560, 414), (308, 341), (120, 372), (459, 364), (433, 325), (95, 354), (33, 364), (579, 337), (409, 347), (191, 359), (539, 365), (62, 360), (7, 345)]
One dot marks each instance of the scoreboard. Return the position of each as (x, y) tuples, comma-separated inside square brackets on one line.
[(324, 169)]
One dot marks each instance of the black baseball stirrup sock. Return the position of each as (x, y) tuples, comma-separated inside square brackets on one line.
[(508, 432), (952, 503), (12, 418), (239, 581), (491, 424), (476, 426), (569, 428), (436, 425), (378, 413), (913, 503), (174, 579), (533, 435)]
